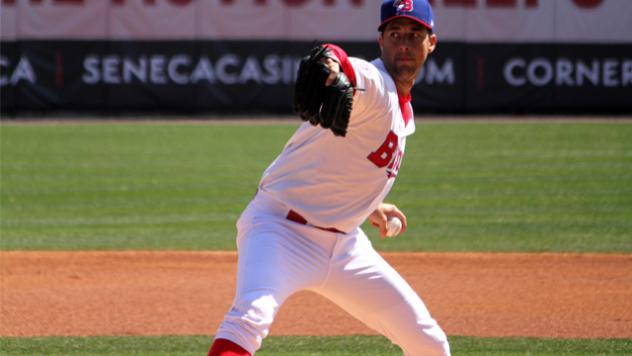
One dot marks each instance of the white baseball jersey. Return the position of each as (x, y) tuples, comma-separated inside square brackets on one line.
[(339, 181), (331, 182)]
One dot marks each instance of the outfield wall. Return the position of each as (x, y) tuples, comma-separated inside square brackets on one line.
[(240, 56)]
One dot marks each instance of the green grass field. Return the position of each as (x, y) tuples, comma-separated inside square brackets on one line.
[(464, 186), (500, 186), (305, 346)]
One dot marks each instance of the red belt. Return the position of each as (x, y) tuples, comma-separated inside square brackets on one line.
[(298, 218)]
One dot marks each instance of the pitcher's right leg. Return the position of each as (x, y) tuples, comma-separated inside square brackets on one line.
[(249, 319), (275, 261), (260, 290), (223, 347)]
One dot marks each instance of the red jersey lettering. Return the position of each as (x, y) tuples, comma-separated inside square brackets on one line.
[(393, 168), (384, 155)]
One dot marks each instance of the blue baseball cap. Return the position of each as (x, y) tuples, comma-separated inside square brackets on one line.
[(417, 10)]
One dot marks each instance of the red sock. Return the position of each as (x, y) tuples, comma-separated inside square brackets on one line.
[(223, 347)]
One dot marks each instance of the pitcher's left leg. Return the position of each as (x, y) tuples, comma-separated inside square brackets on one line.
[(366, 286)]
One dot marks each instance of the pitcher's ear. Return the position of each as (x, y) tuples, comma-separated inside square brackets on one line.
[(433, 43)]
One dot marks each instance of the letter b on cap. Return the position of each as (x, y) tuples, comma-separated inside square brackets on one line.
[(404, 5)]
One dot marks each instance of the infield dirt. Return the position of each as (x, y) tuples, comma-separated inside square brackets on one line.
[(187, 293)]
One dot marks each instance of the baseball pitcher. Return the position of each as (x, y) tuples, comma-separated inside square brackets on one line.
[(302, 229)]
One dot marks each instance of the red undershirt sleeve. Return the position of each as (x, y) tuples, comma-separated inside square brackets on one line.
[(347, 68)]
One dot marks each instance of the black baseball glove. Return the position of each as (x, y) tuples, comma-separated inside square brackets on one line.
[(327, 106)]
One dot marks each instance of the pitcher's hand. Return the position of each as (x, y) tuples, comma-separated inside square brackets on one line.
[(380, 216)]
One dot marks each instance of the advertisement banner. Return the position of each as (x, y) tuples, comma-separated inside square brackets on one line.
[(255, 76), (241, 56), (9, 76)]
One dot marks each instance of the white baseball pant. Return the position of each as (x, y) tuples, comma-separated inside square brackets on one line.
[(278, 257)]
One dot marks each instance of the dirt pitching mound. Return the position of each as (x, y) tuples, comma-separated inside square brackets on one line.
[(187, 293)]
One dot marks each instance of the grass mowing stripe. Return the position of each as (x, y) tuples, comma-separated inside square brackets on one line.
[(298, 345), (464, 186), (121, 174)]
